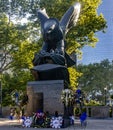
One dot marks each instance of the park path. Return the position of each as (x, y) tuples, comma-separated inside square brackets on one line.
[(93, 124)]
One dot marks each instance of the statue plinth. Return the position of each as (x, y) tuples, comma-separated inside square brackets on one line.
[(45, 96)]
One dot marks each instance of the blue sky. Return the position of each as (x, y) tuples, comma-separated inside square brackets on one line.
[(104, 48)]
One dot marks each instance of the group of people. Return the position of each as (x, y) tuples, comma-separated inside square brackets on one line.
[(14, 113), (45, 120), (82, 117)]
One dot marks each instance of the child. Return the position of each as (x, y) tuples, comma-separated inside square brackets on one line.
[(83, 118)]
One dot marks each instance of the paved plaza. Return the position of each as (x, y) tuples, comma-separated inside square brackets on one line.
[(93, 124)]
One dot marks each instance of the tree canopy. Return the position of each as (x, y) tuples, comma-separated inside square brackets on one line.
[(96, 77), (16, 81)]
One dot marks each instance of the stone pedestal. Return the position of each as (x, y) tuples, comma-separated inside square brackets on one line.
[(46, 96)]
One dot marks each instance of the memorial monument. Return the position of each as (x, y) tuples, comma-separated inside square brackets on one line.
[(51, 63)]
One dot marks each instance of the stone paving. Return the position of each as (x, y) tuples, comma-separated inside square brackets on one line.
[(93, 124)]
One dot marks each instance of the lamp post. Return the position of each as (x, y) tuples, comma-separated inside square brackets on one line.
[(105, 92)]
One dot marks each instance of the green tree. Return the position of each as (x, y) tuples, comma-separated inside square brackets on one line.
[(16, 54), (74, 76), (96, 77), (10, 39), (12, 82)]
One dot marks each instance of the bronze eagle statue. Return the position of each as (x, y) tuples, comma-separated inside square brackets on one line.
[(53, 33)]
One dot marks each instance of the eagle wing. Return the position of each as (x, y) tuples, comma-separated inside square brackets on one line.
[(42, 16), (70, 18)]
